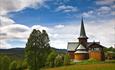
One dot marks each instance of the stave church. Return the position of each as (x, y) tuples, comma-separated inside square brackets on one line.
[(83, 49)]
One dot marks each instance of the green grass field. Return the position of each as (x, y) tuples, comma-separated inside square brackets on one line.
[(86, 67), (107, 65)]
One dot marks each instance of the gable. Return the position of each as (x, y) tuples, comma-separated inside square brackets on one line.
[(80, 47)]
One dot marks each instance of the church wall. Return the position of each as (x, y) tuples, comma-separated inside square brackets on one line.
[(96, 52), (81, 56), (98, 55)]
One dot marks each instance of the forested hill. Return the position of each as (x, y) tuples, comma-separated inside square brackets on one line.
[(21, 51), (12, 50), (18, 53)]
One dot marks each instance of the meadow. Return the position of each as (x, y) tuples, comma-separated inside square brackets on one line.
[(107, 65)]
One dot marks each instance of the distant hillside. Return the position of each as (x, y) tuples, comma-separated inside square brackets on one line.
[(21, 50), (12, 50), (14, 53), (18, 53)]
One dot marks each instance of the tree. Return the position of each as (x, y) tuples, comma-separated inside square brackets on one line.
[(37, 49), (51, 59), (5, 62), (24, 65), (66, 59), (13, 65), (58, 60)]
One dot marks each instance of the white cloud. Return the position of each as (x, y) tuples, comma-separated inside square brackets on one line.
[(88, 14), (59, 34), (113, 6), (59, 26), (4, 20), (113, 12), (39, 27), (7, 6), (3, 44), (67, 9), (13, 31), (8, 28), (104, 10), (105, 2), (59, 37), (103, 32), (101, 11)]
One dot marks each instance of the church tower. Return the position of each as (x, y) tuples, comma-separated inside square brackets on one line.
[(83, 38)]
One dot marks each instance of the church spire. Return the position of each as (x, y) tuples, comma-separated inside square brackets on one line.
[(82, 31)]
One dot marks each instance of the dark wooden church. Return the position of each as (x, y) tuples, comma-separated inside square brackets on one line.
[(83, 50)]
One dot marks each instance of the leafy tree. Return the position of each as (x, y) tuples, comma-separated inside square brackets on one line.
[(37, 49), (5, 62), (0, 62), (51, 58), (66, 59), (19, 65), (58, 60), (24, 65), (13, 65)]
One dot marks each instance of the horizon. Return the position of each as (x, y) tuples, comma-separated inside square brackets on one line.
[(60, 18)]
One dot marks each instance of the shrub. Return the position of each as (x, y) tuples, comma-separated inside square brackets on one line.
[(66, 59), (51, 59), (13, 65), (58, 61), (4, 63)]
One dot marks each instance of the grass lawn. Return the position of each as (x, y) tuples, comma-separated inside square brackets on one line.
[(97, 66)]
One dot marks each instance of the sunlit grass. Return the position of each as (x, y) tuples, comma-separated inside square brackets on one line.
[(107, 65)]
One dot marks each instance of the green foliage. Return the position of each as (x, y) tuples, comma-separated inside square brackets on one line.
[(24, 64), (37, 49), (58, 60), (89, 61), (13, 65), (51, 58), (109, 53), (4, 62), (109, 49), (55, 60), (66, 59)]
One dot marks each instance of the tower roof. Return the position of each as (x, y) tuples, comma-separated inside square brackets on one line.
[(82, 30)]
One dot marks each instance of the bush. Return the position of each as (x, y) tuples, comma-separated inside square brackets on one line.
[(59, 61), (4, 63), (51, 59), (66, 59), (24, 64), (13, 65)]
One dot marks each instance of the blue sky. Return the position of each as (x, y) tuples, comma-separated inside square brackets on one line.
[(58, 17), (47, 15)]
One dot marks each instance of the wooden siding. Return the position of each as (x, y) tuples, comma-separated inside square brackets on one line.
[(98, 55), (81, 56)]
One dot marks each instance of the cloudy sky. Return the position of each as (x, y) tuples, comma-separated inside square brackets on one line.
[(60, 18)]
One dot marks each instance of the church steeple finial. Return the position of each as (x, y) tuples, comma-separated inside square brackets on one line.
[(82, 31)]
